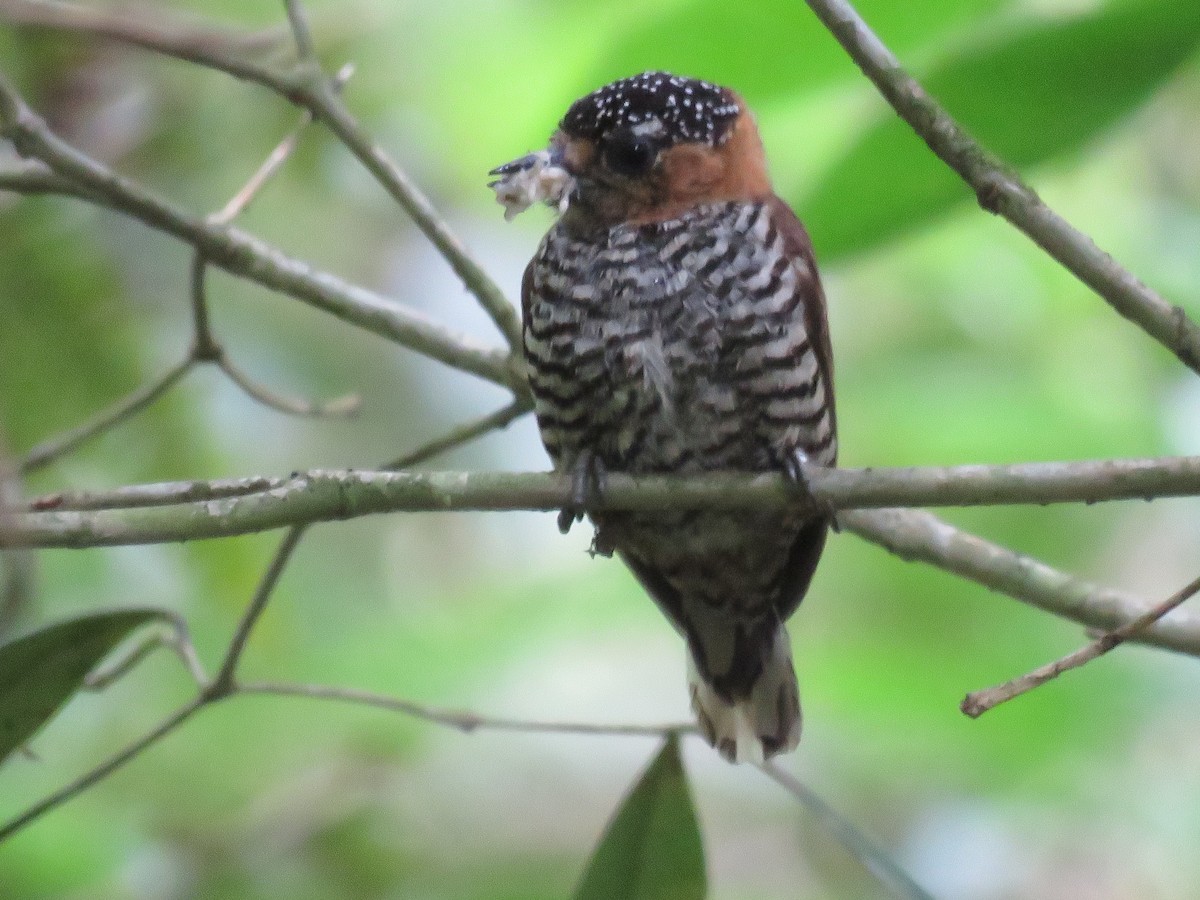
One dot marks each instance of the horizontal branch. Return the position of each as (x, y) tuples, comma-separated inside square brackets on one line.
[(461, 720), (320, 495), (1001, 191), (245, 255)]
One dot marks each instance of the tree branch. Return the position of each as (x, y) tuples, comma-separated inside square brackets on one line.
[(246, 256), (463, 434), (165, 493), (1001, 191), (328, 495), (48, 451), (461, 720), (977, 703), (223, 682), (216, 48), (916, 535), (33, 177), (102, 771), (307, 86)]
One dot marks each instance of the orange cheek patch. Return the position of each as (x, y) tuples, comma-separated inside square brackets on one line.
[(692, 171)]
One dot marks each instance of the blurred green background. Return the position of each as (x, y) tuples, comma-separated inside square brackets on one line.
[(956, 341)]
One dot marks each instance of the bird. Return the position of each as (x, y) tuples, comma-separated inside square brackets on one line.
[(674, 322)]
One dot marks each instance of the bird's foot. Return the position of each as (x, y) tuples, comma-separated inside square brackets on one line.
[(588, 480), (795, 469)]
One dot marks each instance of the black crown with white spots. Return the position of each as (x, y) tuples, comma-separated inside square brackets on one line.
[(688, 109)]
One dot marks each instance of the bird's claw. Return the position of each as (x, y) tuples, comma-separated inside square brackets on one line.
[(795, 470), (588, 481)]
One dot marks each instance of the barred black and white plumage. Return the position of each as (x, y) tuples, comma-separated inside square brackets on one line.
[(679, 337)]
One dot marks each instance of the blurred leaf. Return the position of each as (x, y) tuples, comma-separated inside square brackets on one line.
[(40, 671), (652, 848), (1038, 94), (729, 42)]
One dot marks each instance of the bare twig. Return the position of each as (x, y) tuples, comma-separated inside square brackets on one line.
[(224, 685), (174, 637), (33, 177), (134, 29), (223, 682), (1001, 191), (461, 720), (245, 255), (308, 87), (874, 858), (216, 48), (206, 348), (103, 770), (275, 160), (977, 703), (346, 405), (328, 108), (301, 33), (462, 435), (205, 345), (327, 495), (49, 451)]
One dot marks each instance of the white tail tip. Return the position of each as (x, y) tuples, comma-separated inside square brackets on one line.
[(756, 727)]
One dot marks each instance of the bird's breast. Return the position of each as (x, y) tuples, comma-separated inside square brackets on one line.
[(623, 334)]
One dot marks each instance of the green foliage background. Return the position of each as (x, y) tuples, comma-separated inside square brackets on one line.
[(956, 341)]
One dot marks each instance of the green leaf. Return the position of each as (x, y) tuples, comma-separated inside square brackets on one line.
[(770, 48), (1035, 95), (652, 848), (40, 671)]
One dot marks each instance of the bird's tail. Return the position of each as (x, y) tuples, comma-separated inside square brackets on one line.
[(756, 725)]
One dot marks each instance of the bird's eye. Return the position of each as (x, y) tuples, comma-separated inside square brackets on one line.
[(629, 155)]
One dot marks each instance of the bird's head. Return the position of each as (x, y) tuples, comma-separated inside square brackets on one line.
[(642, 149)]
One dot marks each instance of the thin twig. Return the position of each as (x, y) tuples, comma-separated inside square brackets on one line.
[(325, 104), (463, 434), (301, 33), (214, 48), (874, 858), (329, 109), (173, 635), (328, 495), (101, 771), (275, 160), (206, 347), (1001, 191), (338, 407), (48, 451), (136, 29), (460, 720), (247, 256), (307, 87), (33, 177), (977, 703), (223, 682)]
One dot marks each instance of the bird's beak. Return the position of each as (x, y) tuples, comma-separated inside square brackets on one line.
[(538, 176), (552, 156)]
